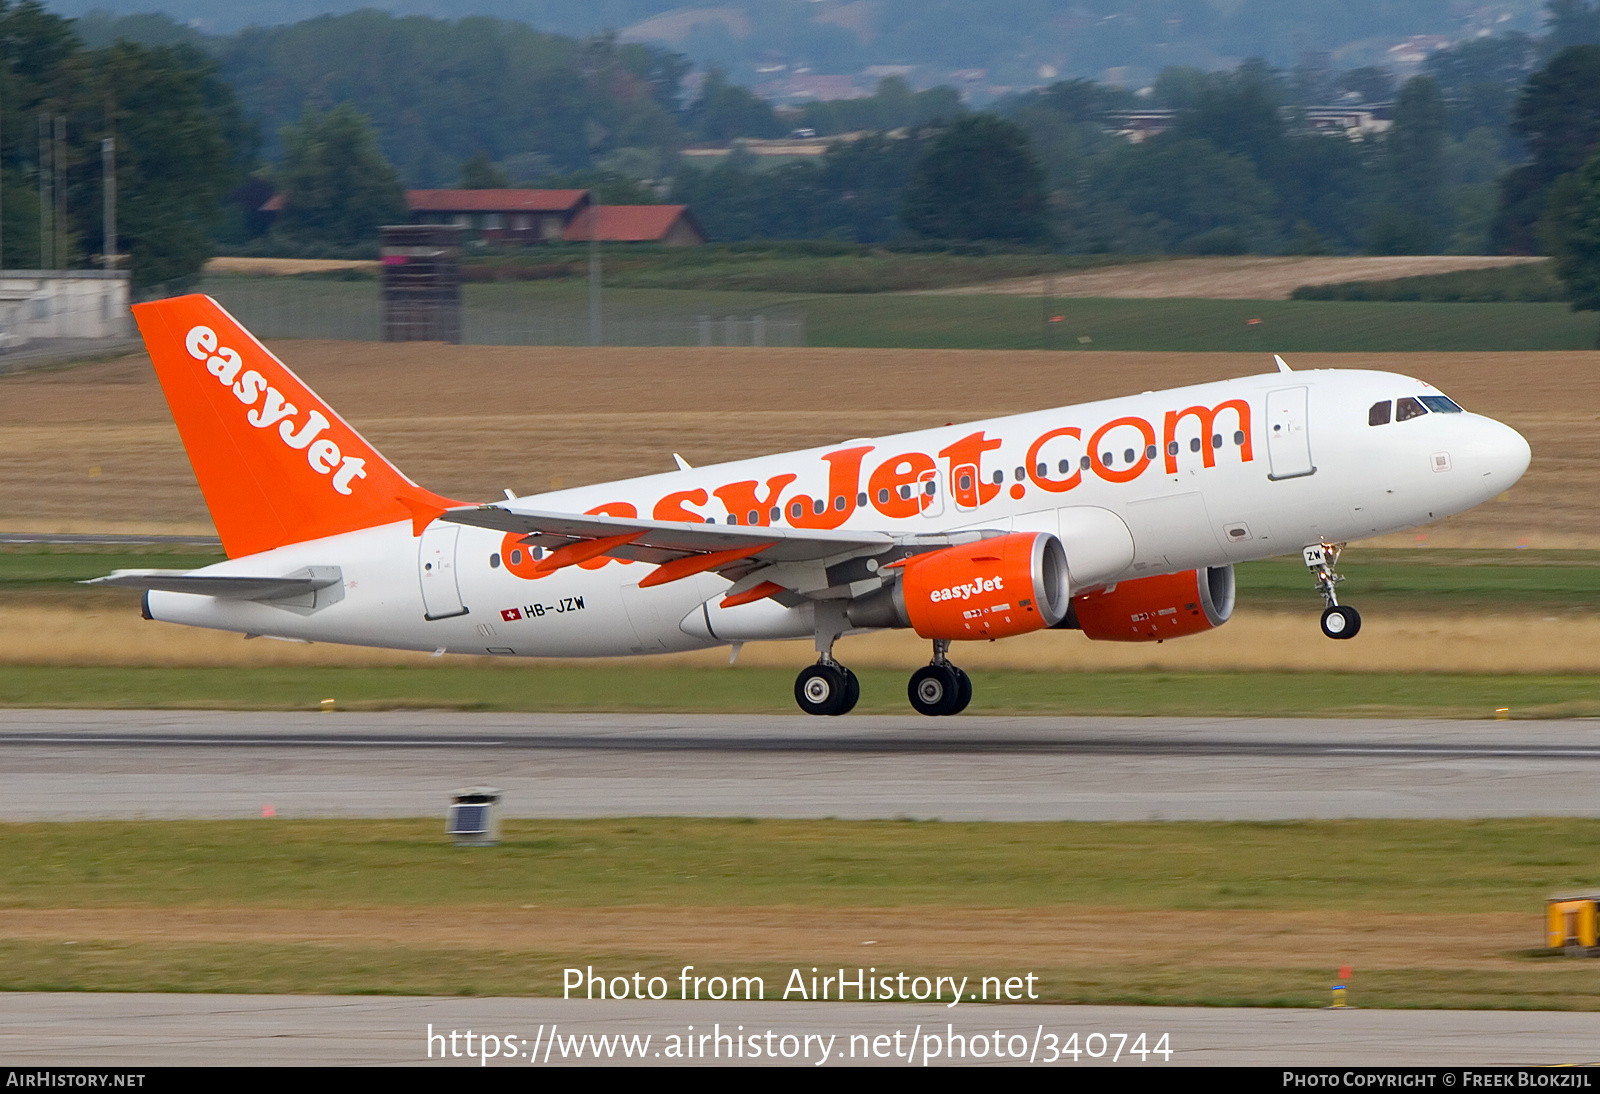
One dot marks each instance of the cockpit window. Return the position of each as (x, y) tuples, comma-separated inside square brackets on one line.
[(1379, 414), (1440, 404), (1408, 408)]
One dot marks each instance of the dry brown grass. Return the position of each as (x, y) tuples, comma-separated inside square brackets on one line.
[(909, 937), (104, 634), (284, 267), (94, 449), (1246, 277)]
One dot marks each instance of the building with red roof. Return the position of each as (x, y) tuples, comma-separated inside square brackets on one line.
[(669, 225), (511, 216), (547, 216)]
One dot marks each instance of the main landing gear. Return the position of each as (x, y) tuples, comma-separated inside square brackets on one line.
[(939, 688), (1338, 620), (828, 688)]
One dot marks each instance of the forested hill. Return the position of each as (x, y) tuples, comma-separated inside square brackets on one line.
[(1015, 43), (438, 93)]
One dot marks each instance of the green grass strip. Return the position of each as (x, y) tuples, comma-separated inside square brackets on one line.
[(1436, 866), (291, 308), (644, 688), (332, 969), (1356, 869)]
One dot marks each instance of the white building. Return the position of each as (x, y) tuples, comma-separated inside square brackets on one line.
[(50, 304)]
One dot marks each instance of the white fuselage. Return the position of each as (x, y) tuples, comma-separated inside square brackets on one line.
[(1133, 486)]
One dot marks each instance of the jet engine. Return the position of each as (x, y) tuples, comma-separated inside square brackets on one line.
[(991, 588), (1153, 609)]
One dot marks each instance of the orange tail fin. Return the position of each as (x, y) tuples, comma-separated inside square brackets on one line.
[(275, 463)]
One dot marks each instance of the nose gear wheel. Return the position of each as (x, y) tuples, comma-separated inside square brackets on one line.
[(1338, 620)]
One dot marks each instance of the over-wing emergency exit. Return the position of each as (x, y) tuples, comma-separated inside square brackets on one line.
[(1121, 518)]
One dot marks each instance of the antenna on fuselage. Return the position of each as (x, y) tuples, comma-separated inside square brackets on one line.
[(683, 464), (1283, 366)]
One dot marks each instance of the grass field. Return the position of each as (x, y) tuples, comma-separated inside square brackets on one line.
[(812, 267), (299, 308), (1430, 913), (642, 688), (1532, 282)]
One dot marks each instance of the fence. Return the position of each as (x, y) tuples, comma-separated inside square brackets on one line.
[(497, 315)]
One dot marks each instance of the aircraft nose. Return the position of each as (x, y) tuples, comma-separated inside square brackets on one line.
[(1503, 455)]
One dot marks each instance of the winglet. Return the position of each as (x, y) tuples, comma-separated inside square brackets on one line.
[(1283, 366)]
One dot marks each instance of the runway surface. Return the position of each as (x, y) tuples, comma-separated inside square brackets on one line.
[(106, 1030), (105, 764)]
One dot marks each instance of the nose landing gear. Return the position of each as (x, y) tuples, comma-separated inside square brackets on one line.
[(939, 688), (1338, 620)]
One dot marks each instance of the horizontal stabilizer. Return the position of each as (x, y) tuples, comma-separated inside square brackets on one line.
[(302, 583)]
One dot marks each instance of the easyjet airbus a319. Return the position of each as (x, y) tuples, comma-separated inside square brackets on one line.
[(1121, 518)]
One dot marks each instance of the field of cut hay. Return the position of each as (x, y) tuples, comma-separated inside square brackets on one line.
[(94, 449), (1244, 277)]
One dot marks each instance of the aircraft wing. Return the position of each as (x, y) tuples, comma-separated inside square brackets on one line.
[(226, 586), (665, 540), (789, 563)]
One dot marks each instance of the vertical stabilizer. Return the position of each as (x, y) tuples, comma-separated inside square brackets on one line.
[(276, 464)]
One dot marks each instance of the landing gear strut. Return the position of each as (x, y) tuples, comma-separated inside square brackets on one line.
[(827, 687), (1338, 620), (939, 688)]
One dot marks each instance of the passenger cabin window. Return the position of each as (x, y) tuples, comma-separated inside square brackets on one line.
[(1439, 404), (1379, 414), (1408, 408)]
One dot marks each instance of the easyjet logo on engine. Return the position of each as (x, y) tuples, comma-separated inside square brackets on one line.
[(269, 408), (968, 589)]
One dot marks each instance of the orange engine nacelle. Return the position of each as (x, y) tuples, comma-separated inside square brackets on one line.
[(993, 588), (1153, 609)]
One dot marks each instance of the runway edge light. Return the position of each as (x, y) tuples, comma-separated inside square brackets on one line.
[(474, 816)]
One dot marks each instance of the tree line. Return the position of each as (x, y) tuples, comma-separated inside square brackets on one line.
[(1486, 149)]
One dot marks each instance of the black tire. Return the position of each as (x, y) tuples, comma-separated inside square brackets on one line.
[(823, 689), (1341, 622), (934, 690), (963, 690), (852, 690)]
